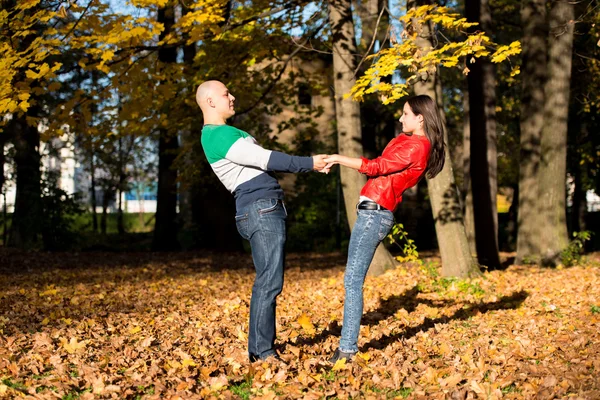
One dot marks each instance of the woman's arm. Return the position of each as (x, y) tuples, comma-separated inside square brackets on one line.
[(350, 162)]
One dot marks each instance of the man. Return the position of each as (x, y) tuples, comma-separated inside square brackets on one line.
[(243, 167)]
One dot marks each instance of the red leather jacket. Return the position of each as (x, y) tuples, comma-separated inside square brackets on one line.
[(401, 165)]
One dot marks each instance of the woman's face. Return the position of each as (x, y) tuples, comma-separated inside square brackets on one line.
[(411, 123)]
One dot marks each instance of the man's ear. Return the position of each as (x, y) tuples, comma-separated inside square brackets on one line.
[(210, 102)]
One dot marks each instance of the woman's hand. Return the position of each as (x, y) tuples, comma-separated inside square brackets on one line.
[(332, 159), (350, 162)]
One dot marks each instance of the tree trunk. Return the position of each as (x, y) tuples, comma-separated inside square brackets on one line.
[(189, 137), (2, 179), (368, 11), (445, 201), (4, 221), (2, 161), (106, 195), (467, 195), (347, 114), (533, 19), (26, 223), (579, 206), (165, 228), (553, 168), (120, 224), (483, 161), (93, 192)]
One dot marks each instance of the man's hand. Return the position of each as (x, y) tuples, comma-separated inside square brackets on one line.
[(319, 163)]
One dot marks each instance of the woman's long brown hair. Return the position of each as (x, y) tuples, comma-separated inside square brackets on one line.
[(434, 130)]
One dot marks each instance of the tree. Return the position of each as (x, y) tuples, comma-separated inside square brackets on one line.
[(542, 209), (483, 156), (348, 116), (553, 163), (22, 128), (533, 18), (26, 227), (165, 228)]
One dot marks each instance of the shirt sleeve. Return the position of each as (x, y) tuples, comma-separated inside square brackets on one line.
[(390, 162), (245, 152)]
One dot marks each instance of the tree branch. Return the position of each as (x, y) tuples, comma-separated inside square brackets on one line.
[(372, 40), (79, 20), (273, 82)]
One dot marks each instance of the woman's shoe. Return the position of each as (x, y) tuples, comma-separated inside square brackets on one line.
[(338, 355)]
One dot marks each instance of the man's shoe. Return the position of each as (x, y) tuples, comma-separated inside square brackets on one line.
[(338, 355)]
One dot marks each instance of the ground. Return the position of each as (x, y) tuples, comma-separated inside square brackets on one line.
[(129, 326)]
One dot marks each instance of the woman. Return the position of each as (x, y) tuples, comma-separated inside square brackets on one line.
[(417, 151)]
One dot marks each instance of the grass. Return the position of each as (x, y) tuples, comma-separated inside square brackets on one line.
[(138, 228), (133, 222), (15, 385), (242, 390)]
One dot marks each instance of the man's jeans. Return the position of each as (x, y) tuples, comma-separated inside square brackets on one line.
[(371, 227), (263, 224)]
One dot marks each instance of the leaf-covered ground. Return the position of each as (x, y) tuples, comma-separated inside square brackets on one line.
[(131, 326)]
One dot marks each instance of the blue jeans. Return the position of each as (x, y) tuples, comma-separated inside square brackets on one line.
[(371, 227), (263, 224)]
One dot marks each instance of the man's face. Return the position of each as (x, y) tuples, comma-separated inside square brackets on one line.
[(222, 101)]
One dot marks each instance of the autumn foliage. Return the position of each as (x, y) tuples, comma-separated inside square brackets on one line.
[(174, 326)]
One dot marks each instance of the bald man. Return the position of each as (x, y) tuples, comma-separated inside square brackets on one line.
[(244, 167)]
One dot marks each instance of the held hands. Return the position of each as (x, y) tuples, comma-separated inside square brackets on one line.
[(331, 160), (319, 164), (324, 162)]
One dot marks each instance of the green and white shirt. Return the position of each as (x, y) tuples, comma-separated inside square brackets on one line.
[(243, 166)]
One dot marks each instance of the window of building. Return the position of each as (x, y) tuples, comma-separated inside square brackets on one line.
[(304, 95)]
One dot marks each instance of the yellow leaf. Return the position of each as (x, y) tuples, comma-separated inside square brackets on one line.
[(188, 363), (62, 12), (135, 330), (306, 324), (242, 336), (103, 68), (108, 55), (445, 349), (73, 345), (22, 291), (218, 382), (339, 364), (49, 292)]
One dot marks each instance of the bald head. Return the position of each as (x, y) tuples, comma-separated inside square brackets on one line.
[(205, 91), (215, 101)]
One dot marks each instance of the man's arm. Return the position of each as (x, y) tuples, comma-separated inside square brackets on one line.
[(244, 152)]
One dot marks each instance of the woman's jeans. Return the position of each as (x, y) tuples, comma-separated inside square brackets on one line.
[(371, 227), (263, 224)]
